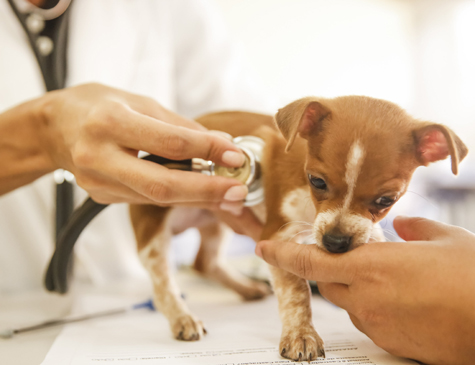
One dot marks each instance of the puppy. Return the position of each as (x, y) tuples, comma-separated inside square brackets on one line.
[(337, 165)]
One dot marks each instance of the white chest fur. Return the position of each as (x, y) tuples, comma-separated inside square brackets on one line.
[(298, 209)]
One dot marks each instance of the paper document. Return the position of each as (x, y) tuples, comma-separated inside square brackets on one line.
[(238, 334)]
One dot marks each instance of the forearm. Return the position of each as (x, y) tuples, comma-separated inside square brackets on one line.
[(23, 157)]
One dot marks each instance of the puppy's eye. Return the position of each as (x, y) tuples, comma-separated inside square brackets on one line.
[(385, 201), (317, 182)]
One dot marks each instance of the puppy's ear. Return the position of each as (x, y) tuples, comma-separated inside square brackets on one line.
[(302, 116), (436, 142)]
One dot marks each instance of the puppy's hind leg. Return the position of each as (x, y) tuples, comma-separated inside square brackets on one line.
[(210, 262), (153, 235)]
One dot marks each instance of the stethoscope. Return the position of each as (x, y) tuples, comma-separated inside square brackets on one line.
[(49, 42)]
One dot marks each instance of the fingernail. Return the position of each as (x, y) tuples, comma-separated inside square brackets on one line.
[(233, 208), (236, 193), (232, 158), (258, 251)]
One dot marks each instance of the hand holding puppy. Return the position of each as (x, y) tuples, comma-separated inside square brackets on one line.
[(414, 299)]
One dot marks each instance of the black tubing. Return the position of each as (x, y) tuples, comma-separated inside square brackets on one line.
[(58, 272), (60, 266), (64, 205)]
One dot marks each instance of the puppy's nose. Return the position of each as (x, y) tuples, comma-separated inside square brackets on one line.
[(336, 243)]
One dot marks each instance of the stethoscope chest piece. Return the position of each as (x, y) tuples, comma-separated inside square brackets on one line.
[(251, 170), (249, 173)]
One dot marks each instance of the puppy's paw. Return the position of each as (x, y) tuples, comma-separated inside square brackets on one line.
[(188, 328), (255, 290), (301, 344)]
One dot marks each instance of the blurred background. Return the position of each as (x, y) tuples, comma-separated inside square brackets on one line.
[(419, 54)]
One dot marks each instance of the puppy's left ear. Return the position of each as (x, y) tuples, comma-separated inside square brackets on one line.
[(303, 116), (436, 142)]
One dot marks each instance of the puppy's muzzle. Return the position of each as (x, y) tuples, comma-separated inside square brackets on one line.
[(336, 243)]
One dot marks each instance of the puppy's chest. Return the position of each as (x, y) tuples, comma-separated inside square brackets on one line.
[(298, 211)]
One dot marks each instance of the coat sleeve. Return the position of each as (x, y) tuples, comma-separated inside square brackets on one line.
[(211, 72)]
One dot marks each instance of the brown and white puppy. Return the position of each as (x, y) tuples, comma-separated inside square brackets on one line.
[(337, 165)]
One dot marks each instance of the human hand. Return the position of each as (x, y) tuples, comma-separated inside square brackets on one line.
[(241, 221), (95, 132), (414, 299)]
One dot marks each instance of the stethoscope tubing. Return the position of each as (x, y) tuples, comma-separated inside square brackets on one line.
[(60, 266)]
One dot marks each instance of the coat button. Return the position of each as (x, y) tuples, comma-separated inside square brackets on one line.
[(35, 23), (45, 45)]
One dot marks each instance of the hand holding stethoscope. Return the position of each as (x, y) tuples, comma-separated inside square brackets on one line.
[(96, 132)]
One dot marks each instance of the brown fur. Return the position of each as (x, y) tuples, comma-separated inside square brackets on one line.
[(394, 145)]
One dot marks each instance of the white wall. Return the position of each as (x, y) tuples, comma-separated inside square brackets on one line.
[(416, 53), (326, 48)]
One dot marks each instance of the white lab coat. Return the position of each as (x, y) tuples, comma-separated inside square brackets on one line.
[(176, 51)]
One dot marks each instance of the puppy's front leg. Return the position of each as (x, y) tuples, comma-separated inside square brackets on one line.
[(299, 340), (153, 235)]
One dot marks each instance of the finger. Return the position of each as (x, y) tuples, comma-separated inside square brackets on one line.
[(114, 198), (105, 190), (245, 223), (150, 107), (165, 186), (356, 322), (215, 207), (177, 142), (308, 261), (230, 207), (338, 294), (221, 134), (420, 229), (116, 193)]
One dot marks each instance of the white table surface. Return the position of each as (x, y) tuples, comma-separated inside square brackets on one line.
[(29, 308)]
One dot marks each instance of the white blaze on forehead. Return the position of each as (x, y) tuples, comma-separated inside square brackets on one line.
[(353, 167), (358, 227)]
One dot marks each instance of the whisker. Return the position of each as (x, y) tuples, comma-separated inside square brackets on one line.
[(307, 230), (294, 222), (425, 198), (307, 200), (390, 233)]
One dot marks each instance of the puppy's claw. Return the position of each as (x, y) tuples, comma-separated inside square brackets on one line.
[(187, 328), (204, 331), (321, 353), (301, 344)]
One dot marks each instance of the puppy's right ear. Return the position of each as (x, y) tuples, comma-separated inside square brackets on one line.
[(303, 117), (436, 142)]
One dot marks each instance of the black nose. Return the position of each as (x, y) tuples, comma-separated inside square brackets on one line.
[(336, 243)]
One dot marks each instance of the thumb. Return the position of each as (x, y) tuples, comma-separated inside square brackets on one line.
[(307, 261), (420, 229)]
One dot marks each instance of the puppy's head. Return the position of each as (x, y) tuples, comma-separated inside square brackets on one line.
[(362, 153)]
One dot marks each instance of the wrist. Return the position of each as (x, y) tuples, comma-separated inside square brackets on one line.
[(24, 156), (42, 113)]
